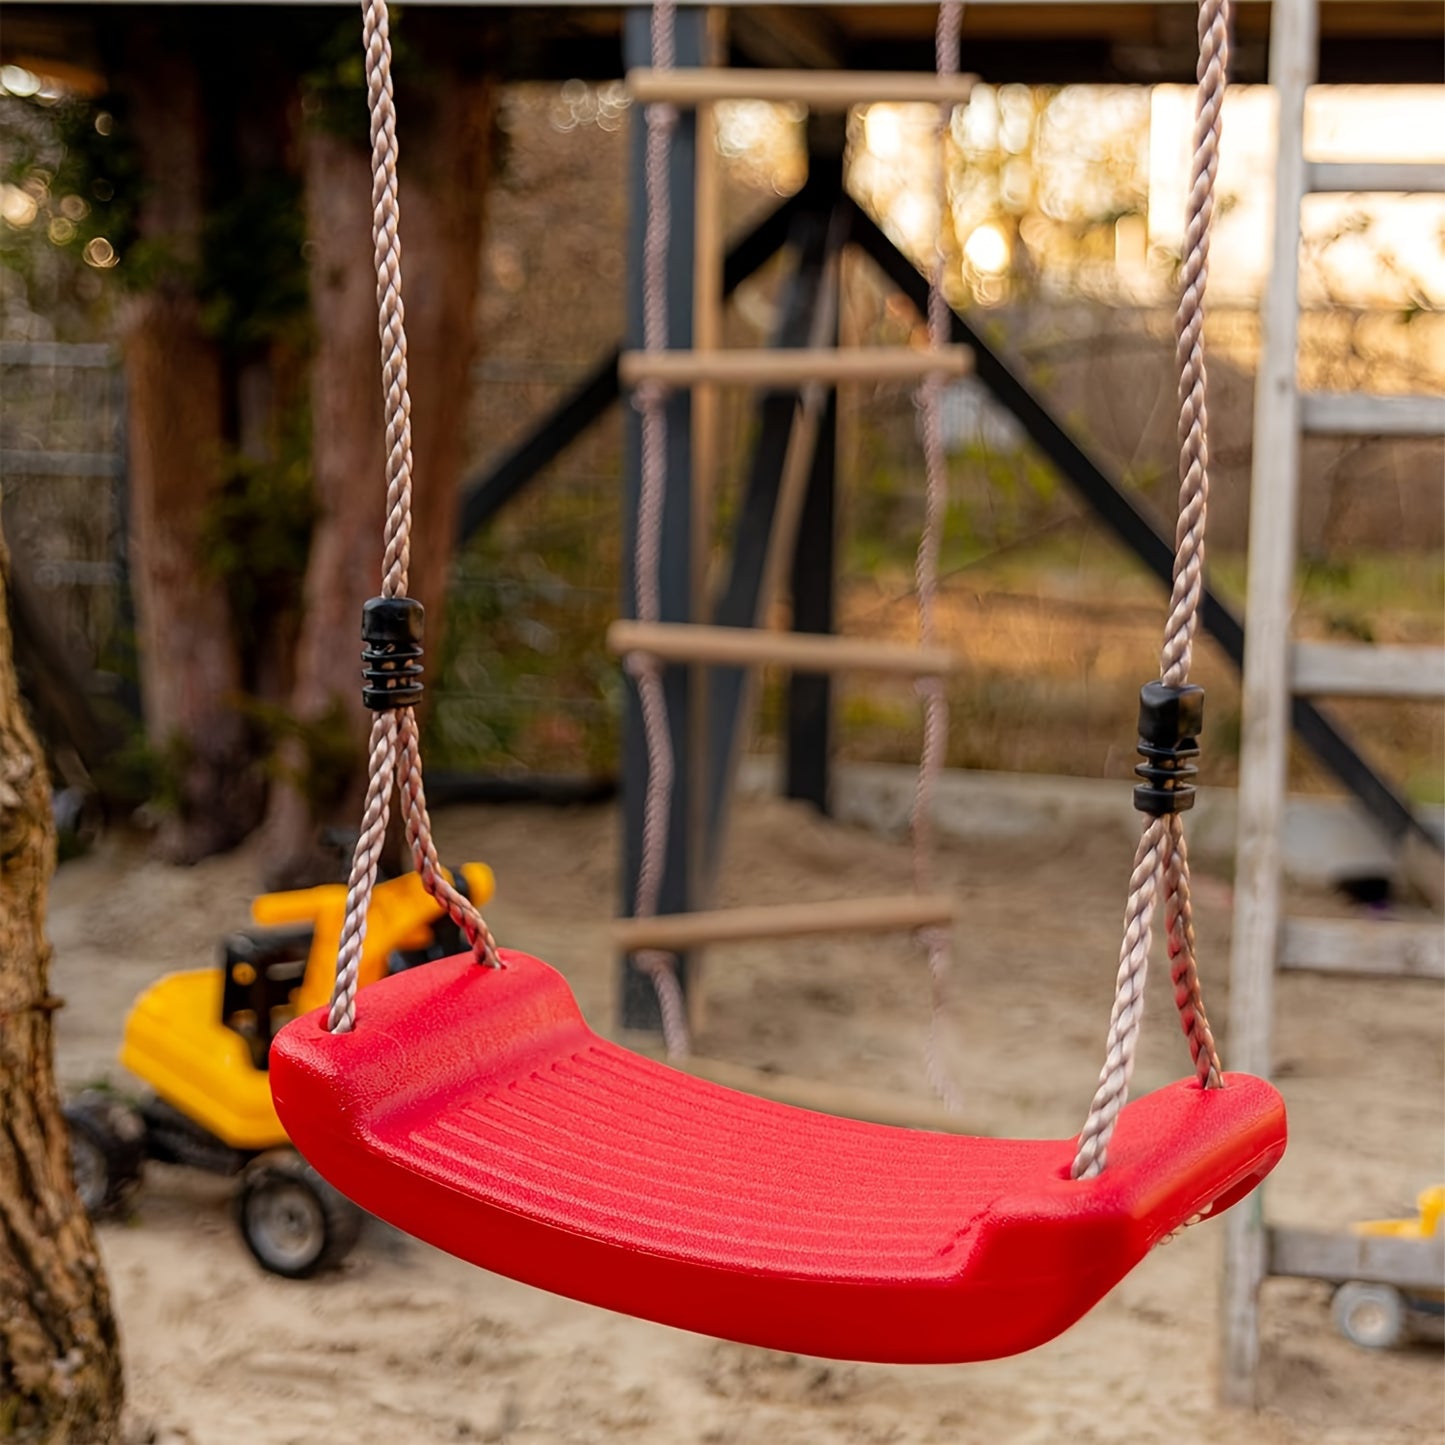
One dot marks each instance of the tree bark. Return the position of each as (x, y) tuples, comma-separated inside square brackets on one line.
[(344, 566), (60, 1370), (191, 678), (446, 134), (445, 171)]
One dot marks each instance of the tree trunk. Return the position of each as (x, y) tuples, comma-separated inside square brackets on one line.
[(60, 1374), (344, 567), (190, 664), (445, 170), (446, 157)]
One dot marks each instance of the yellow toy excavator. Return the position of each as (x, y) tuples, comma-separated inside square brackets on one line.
[(200, 1042)]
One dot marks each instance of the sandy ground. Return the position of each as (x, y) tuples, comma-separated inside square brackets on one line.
[(407, 1345)]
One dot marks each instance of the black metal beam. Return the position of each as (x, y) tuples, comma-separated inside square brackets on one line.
[(738, 604), (589, 400), (807, 759), (1028, 58), (484, 496), (1118, 512)]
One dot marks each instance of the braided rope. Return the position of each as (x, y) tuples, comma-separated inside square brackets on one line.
[(393, 732), (937, 943), (1161, 856), (423, 850), (645, 671), (1179, 931), (381, 763), (391, 313)]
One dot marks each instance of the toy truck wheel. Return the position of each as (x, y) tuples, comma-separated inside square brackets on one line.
[(107, 1150), (292, 1220), (1372, 1316)]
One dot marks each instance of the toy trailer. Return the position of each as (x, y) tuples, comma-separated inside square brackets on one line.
[(1389, 1274)]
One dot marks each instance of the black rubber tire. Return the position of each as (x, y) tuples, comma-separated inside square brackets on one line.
[(107, 1150), (294, 1223), (1373, 1316)]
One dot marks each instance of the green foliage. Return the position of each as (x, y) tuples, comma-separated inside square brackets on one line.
[(525, 682), (330, 757), (75, 158), (256, 531), (334, 87), (141, 772), (253, 285), (71, 184)]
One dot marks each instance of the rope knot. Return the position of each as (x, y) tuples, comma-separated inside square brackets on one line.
[(929, 391), (642, 666), (649, 394), (653, 961), (662, 116), (933, 938)]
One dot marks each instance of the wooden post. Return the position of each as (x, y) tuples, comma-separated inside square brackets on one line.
[(1264, 751), (707, 308)]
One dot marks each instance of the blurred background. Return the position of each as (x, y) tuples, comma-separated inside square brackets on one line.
[(1062, 234)]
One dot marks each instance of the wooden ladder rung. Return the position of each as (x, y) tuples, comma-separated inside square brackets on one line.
[(1324, 413), (817, 89), (1355, 669), (1411, 1264), (1374, 947), (792, 366), (757, 646), (1374, 176), (901, 913)]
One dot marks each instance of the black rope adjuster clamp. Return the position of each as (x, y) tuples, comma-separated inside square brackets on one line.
[(1170, 721), (391, 667)]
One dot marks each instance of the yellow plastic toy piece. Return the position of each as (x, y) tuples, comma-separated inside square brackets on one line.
[(1424, 1225), (400, 917), (176, 1042)]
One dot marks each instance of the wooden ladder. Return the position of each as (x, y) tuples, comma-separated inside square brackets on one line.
[(809, 368), (1277, 670)]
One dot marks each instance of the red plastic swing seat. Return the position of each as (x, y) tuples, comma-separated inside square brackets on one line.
[(474, 1109)]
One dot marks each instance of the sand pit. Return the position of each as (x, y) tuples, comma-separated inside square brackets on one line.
[(406, 1345)]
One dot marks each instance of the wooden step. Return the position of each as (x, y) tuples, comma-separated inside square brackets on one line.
[(1324, 413), (902, 913), (1373, 947), (1376, 176), (18, 463), (817, 89), (792, 366), (1353, 669), (756, 646), (1337, 1256)]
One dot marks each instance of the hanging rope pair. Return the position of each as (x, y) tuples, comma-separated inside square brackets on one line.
[(1171, 711), (1171, 714), (476, 1110)]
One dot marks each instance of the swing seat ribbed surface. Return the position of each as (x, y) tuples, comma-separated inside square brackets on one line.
[(474, 1109)]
